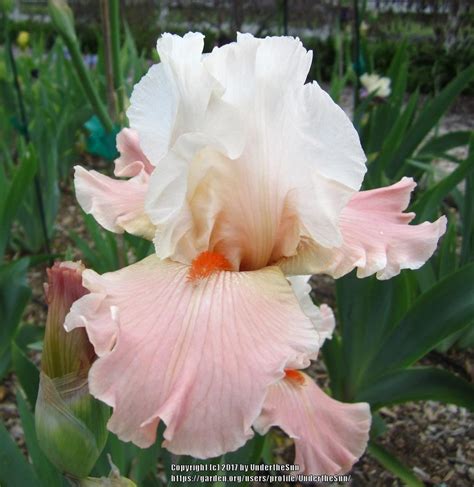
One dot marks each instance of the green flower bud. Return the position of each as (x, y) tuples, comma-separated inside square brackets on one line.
[(62, 17), (70, 423)]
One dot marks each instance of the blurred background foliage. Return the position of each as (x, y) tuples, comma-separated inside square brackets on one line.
[(441, 33), (64, 89)]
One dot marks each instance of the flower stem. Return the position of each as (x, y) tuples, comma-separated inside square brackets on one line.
[(356, 53), (109, 70), (63, 21), (87, 84), (114, 8)]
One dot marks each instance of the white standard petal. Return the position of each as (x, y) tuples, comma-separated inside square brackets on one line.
[(300, 164), (179, 97)]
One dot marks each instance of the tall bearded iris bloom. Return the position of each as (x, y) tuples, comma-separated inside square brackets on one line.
[(242, 175)]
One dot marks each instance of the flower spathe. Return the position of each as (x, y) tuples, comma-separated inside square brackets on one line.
[(242, 174)]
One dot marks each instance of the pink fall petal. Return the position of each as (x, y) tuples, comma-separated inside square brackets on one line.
[(377, 237), (330, 436), (197, 355), (118, 205)]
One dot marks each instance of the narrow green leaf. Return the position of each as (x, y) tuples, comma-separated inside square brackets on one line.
[(444, 143), (428, 118), (448, 258), (364, 328), (467, 217), (446, 308), (28, 334), (63, 21), (27, 373), (426, 277), (14, 296), (394, 465), (467, 338), (427, 206), (392, 140), (145, 463), (334, 361), (22, 178), (378, 425), (15, 471), (418, 384), (397, 71), (88, 254)]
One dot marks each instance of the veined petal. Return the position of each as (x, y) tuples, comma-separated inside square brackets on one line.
[(117, 205), (152, 112), (377, 237), (198, 355), (329, 435), (132, 160), (322, 316)]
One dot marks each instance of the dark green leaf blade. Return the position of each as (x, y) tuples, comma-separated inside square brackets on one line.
[(426, 206), (418, 384), (446, 308), (446, 142), (428, 118), (27, 373), (15, 471)]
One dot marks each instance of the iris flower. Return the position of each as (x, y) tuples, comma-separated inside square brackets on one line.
[(373, 83), (243, 175)]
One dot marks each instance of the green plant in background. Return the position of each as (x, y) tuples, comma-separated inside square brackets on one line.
[(386, 327), (51, 113), (400, 137), (386, 330), (63, 21), (107, 253), (14, 291), (14, 296), (23, 127)]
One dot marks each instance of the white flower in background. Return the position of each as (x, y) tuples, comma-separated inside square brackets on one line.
[(364, 27), (374, 83)]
